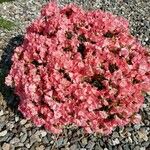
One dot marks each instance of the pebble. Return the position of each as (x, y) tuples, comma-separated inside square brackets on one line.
[(14, 140), (23, 121), (142, 148), (90, 145), (1, 113), (40, 148), (6, 146), (23, 137), (2, 124), (115, 141), (84, 141), (143, 135), (59, 142), (137, 147), (28, 145), (73, 147), (16, 119), (3, 133), (126, 147), (43, 133)]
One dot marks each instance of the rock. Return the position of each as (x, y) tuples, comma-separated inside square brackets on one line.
[(23, 121), (43, 133), (15, 140), (137, 126), (143, 135), (146, 144), (98, 147), (126, 147), (9, 136), (142, 148), (84, 141), (6, 146), (120, 147), (73, 147), (137, 147), (10, 125), (40, 148), (3, 133), (115, 135), (2, 124), (23, 137), (130, 139), (20, 145), (90, 145), (16, 119), (59, 142), (115, 141), (45, 140), (28, 125), (28, 145), (1, 113)]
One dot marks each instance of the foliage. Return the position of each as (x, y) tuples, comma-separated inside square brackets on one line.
[(2, 1), (6, 24)]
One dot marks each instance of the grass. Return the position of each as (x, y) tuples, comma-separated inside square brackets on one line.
[(6, 24), (1, 1)]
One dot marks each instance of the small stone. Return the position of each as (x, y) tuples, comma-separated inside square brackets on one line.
[(1, 113), (73, 147), (84, 141), (20, 144), (59, 142), (16, 119), (14, 140), (23, 137), (146, 144), (28, 125), (115, 141), (45, 140), (115, 135), (143, 135), (137, 126), (130, 139), (90, 145), (28, 145), (98, 147), (40, 148), (10, 125), (142, 148), (105, 148), (137, 148), (126, 147), (43, 133), (3, 133), (120, 147), (6, 146), (23, 121), (2, 124)]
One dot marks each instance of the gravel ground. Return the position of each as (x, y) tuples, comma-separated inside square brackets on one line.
[(17, 133)]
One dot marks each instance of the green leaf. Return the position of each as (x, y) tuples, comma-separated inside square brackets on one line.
[(1, 1), (6, 24)]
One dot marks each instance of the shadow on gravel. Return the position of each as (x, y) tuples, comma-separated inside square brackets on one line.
[(10, 97)]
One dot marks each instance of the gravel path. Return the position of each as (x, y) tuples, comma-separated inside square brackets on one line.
[(17, 133)]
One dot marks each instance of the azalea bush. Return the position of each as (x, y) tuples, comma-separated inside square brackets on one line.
[(82, 68)]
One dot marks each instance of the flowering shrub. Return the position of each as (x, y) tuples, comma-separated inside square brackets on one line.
[(80, 67)]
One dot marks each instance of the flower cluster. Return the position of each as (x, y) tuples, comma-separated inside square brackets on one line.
[(80, 67)]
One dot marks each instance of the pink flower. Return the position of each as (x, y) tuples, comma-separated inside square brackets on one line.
[(80, 67)]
